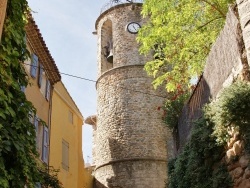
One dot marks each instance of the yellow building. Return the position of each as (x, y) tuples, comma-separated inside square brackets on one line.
[(66, 141), (59, 142), (43, 74)]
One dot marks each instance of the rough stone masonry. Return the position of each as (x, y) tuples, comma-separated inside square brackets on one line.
[(131, 143)]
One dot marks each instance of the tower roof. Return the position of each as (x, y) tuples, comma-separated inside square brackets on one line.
[(113, 3)]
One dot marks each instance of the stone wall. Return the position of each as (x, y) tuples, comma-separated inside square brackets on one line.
[(130, 129), (125, 47), (222, 68), (225, 64), (131, 174), (237, 162), (244, 15)]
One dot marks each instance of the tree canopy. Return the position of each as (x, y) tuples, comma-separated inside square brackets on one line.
[(179, 35)]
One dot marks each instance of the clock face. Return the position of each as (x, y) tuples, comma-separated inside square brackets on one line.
[(133, 27)]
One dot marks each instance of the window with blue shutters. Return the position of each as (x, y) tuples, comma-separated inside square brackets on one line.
[(23, 88), (47, 94), (40, 76), (36, 123), (33, 66), (45, 145), (38, 185)]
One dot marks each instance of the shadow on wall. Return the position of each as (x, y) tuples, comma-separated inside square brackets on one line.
[(223, 63), (100, 185), (110, 181), (191, 112)]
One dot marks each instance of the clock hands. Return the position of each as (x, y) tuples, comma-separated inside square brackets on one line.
[(135, 27)]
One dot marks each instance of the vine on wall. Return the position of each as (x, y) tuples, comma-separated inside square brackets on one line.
[(19, 166)]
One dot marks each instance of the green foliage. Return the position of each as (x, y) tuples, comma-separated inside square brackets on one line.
[(231, 112), (18, 154), (198, 165), (173, 107), (49, 177), (180, 35)]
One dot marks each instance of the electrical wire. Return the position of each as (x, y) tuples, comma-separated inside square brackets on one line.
[(86, 79)]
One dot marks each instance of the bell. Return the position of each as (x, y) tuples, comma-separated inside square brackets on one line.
[(110, 56)]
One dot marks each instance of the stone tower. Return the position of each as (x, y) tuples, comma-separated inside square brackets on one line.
[(130, 140)]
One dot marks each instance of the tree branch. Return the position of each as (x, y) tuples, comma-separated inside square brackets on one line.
[(215, 7), (208, 23)]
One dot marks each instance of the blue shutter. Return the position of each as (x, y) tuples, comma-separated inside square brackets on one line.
[(45, 145), (36, 124), (25, 44), (23, 88), (31, 117), (38, 185), (47, 94), (34, 63), (40, 78)]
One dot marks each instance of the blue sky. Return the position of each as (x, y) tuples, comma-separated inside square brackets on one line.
[(67, 27)]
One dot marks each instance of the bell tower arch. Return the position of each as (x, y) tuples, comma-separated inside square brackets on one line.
[(132, 144), (106, 55)]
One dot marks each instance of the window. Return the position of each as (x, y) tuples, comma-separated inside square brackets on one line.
[(25, 44), (23, 88), (36, 125), (65, 155), (45, 145), (38, 185), (40, 76), (71, 117), (47, 94), (34, 63), (31, 117)]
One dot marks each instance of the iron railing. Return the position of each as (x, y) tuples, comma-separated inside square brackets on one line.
[(113, 3)]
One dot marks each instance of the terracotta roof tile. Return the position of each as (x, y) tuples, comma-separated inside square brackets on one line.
[(41, 50)]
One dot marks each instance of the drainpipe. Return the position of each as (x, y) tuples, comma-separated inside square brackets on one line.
[(49, 126)]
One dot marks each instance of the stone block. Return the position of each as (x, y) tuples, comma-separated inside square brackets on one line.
[(244, 161), (233, 166), (237, 147), (237, 173), (229, 155), (244, 184), (246, 173)]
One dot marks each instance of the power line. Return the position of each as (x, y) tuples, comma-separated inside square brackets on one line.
[(86, 79)]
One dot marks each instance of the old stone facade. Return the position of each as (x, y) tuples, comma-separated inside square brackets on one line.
[(223, 66), (244, 16), (131, 143)]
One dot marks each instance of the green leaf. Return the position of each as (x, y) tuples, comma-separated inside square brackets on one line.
[(180, 34)]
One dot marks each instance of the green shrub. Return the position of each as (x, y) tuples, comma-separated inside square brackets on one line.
[(196, 166), (231, 111)]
